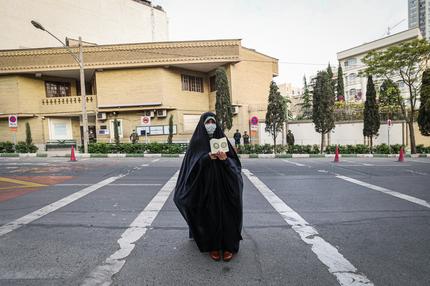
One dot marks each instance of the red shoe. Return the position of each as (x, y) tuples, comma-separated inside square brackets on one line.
[(215, 255), (227, 256)]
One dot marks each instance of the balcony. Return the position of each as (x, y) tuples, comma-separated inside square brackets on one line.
[(67, 104)]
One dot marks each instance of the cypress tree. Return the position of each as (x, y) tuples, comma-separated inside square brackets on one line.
[(389, 96), (223, 107), (424, 111), (340, 89), (306, 105), (28, 139), (170, 137), (371, 112), (115, 131), (276, 113), (323, 105)]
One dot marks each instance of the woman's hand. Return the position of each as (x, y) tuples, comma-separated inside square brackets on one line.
[(221, 155), (213, 156)]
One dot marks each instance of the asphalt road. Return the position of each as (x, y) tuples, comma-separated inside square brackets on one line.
[(306, 222)]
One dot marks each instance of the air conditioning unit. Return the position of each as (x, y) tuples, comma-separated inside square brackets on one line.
[(161, 113), (235, 109), (148, 113), (101, 116)]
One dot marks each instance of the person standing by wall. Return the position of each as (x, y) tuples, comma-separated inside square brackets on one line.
[(290, 139), (134, 137), (237, 137), (245, 138)]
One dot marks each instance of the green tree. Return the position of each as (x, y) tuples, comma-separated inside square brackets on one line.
[(276, 112), (371, 112), (323, 105), (306, 105), (116, 131), (406, 61), (330, 75), (424, 111), (223, 107), (340, 89), (170, 137), (390, 98), (28, 139)]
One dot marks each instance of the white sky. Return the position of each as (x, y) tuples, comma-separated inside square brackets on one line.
[(294, 31)]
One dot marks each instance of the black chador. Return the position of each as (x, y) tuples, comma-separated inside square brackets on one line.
[(209, 192)]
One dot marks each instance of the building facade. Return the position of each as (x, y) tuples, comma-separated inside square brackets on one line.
[(418, 16), (127, 82), (96, 21), (294, 95), (351, 62)]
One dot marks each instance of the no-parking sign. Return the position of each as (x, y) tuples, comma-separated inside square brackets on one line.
[(13, 121), (145, 120)]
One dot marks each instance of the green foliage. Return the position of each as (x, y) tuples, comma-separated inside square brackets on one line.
[(255, 149), (340, 89), (23, 147), (304, 149), (323, 105), (170, 137), (129, 148), (306, 105), (406, 61), (389, 94), (276, 113), (424, 111), (364, 149), (223, 107), (115, 131), (6, 147), (423, 150), (371, 112), (28, 139)]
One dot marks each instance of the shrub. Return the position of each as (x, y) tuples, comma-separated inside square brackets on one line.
[(23, 147), (6, 147)]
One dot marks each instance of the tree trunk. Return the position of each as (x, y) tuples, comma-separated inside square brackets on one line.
[(322, 142), (274, 139), (371, 144), (412, 134)]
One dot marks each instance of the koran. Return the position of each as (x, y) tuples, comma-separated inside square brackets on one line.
[(219, 145)]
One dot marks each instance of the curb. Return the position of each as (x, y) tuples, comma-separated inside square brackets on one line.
[(243, 156)]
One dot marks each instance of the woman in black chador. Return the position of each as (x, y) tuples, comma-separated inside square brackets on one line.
[(209, 192)]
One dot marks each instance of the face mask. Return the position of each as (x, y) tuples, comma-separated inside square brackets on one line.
[(210, 128)]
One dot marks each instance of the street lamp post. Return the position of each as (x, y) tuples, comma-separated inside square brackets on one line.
[(80, 60)]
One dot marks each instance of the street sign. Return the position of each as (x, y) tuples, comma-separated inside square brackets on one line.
[(254, 127), (254, 120), (389, 123), (145, 120), (13, 121)]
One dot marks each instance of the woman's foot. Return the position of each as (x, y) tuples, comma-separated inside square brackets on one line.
[(215, 255), (227, 256)]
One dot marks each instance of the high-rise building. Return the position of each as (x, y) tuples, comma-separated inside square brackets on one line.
[(418, 16)]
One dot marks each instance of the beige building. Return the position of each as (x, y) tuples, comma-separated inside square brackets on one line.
[(294, 95), (127, 82)]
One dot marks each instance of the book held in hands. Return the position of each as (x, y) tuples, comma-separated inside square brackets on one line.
[(219, 145)]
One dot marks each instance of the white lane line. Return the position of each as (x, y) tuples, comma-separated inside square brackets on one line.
[(416, 161), (416, 172), (294, 163), (25, 164), (110, 185), (339, 266), (13, 225), (155, 160), (322, 171), (367, 164), (144, 165), (102, 274), (386, 191)]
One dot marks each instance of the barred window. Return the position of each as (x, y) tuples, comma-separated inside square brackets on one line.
[(192, 83), (57, 89)]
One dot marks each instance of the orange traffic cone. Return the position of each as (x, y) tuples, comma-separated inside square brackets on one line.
[(401, 155), (72, 154), (336, 156)]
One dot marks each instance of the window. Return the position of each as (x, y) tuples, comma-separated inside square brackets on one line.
[(60, 129), (352, 77), (57, 89), (212, 84), (192, 83), (352, 92)]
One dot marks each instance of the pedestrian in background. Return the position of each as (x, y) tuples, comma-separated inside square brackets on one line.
[(245, 138), (237, 137), (134, 137), (290, 139)]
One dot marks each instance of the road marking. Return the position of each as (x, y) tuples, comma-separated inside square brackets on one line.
[(340, 267), (424, 162), (19, 184), (294, 163), (386, 191), (155, 160), (102, 274), (13, 225), (416, 172), (322, 171), (24, 164), (144, 165), (366, 164), (110, 185)]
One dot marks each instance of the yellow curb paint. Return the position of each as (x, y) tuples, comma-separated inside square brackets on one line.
[(21, 184)]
